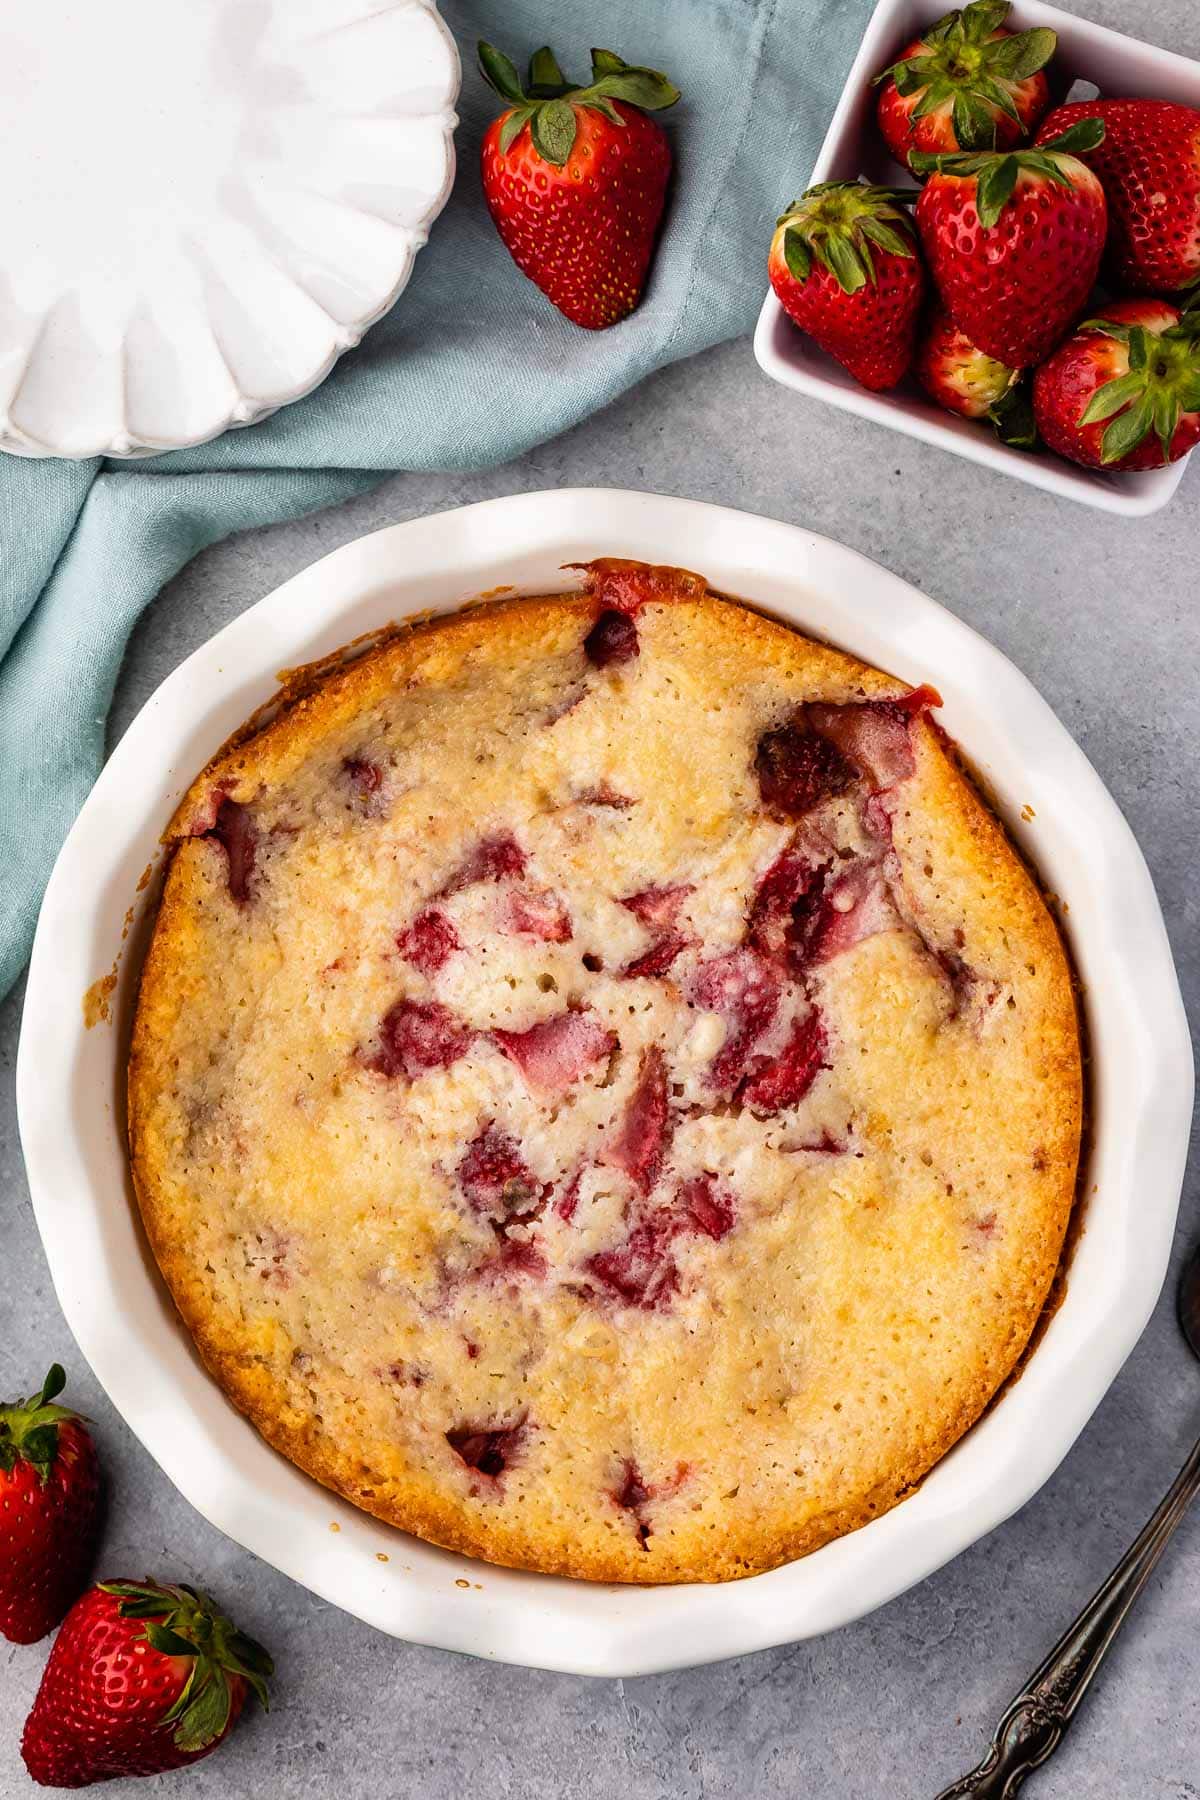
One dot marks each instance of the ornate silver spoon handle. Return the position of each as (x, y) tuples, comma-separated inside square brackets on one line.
[(1037, 1720)]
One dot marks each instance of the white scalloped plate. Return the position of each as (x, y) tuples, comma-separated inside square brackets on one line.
[(70, 1092), (205, 202)]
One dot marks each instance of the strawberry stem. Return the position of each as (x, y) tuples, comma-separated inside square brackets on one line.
[(996, 172), (549, 102), (836, 224), (29, 1428), (962, 65), (1161, 384), (181, 1621)]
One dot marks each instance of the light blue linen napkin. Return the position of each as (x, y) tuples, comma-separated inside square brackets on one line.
[(472, 367)]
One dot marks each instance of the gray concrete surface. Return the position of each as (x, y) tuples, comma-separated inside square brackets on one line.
[(1103, 615)]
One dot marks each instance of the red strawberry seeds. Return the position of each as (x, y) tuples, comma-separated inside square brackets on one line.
[(1014, 242), (845, 269), (49, 1511), (1149, 163), (142, 1678), (1124, 391), (575, 178)]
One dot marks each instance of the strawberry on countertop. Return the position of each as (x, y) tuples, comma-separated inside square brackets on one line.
[(1124, 391), (966, 84), (143, 1677), (49, 1510), (845, 268), (1149, 162), (1014, 241), (575, 178)]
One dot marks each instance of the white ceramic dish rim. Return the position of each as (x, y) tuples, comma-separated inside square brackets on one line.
[(783, 356), (248, 409), (68, 1087)]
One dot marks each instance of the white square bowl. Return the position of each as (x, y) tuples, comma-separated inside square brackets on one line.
[(1118, 66), (71, 1104)]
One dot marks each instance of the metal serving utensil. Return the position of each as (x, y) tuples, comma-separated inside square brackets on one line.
[(1038, 1719)]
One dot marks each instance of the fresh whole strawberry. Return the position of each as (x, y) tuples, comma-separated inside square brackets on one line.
[(965, 84), (143, 1677), (1124, 391), (965, 381), (845, 268), (1013, 240), (1149, 163), (49, 1511), (576, 178)]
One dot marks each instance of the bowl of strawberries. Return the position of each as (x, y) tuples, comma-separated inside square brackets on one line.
[(1000, 249)]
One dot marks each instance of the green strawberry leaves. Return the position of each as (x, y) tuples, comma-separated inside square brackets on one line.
[(977, 21), (1018, 57), (548, 102), (180, 1621), (961, 65), (546, 79), (1012, 416), (1076, 140), (1110, 398), (29, 1428), (796, 254), (994, 188), (500, 73), (1161, 384), (835, 225), (552, 128), (996, 172)]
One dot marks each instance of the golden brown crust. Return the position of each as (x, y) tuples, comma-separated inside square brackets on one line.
[(954, 855)]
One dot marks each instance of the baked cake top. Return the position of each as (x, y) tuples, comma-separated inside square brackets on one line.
[(605, 1092)]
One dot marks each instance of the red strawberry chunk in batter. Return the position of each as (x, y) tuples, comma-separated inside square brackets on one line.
[(556, 1053), (642, 1271), (493, 859), (612, 639), (641, 1142), (429, 942), (632, 1492), (234, 829), (628, 586), (566, 1204), (496, 1179), (659, 957), (489, 1449), (538, 914), (419, 1035), (798, 768), (786, 1079), (517, 1257), (788, 906), (363, 774), (857, 906), (658, 905), (875, 736), (744, 989), (705, 1207)]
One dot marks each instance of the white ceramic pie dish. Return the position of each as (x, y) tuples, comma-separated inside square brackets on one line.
[(70, 1087), (1108, 60), (209, 202)]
